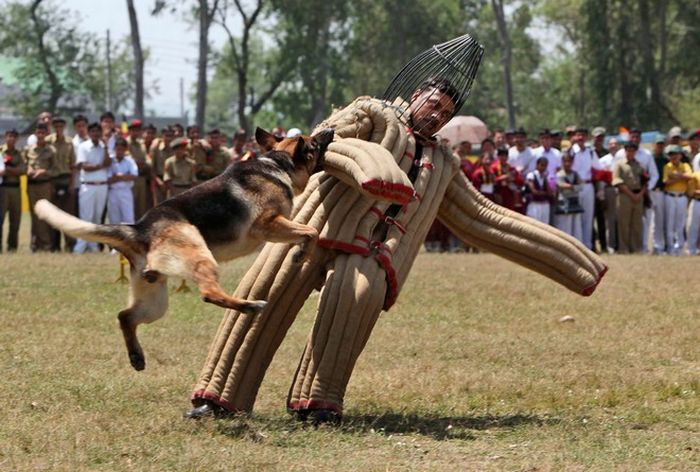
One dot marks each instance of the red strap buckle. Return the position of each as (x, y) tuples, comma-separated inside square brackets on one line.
[(421, 163)]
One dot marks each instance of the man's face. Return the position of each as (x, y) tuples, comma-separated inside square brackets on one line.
[(135, 133), (598, 141), (107, 125), (149, 135), (193, 133), (519, 140), (94, 134), (81, 128), (695, 142), (546, 141), (630, 152), (580, 137), (659, 148), (430, 110), (635, 138), (567, 162), (180, 152), (465, 148), (45, 118), (168, 136), (499, 139), (120, 151), (41, 135), (59, 128), (10, 140), (613, 146), (542, 166), (215, 140)]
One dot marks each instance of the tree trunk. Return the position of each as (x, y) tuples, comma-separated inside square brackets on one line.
[(506, 58), (653, 100), (204, 22), (138, 59), (55, 85)]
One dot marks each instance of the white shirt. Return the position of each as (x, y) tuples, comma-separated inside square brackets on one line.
[(607, 162), (32, 140), (93, 155), (646, 160), (521, 160), (126, 166), (553, 156), (585, 160), (696, 163), (77, 141)]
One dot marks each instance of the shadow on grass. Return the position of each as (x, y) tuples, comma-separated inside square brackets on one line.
[(438, 428)]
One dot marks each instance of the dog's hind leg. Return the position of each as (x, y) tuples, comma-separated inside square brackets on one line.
[(148, 301), (185, 254)]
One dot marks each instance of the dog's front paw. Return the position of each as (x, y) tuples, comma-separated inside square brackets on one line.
[(138, 362), (254, 307)]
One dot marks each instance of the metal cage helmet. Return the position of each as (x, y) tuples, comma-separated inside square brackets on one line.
[(445, 70)]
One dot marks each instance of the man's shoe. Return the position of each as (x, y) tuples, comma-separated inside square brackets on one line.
[(205, 410)]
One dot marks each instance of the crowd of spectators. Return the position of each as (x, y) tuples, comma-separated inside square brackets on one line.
[(105, 173), (610, 192)]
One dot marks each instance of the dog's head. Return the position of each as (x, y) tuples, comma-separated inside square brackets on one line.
[(307, 152)]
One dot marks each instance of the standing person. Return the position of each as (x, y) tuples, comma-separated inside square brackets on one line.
[(40, 159), (138, 152), (160, 152), (568, 209), (217, 157), (123, 172), (548, 151), (197, 151), (10, 193), (585, 160), (499, 139), (600, 228), (44, 118), (693, 147), (63, 180), (237, 150), (180, 170), (676, 175), (658, 198), (80, 125), (520, 156), (694, 210), (483, 177), (607, 164), (93, 162), (467, 160), (509, 183), (628, 177), (539, 191), (644, 158)]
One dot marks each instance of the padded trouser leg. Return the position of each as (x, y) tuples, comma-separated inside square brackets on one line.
[(245, 344), (350, 303)]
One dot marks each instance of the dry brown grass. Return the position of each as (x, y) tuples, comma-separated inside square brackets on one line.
[(471, 370)]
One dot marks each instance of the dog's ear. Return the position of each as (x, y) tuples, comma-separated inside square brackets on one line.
[(324, 137), (299, 148), (266, 139)]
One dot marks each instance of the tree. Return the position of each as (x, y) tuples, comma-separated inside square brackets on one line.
[(138, 60), (506, 47)]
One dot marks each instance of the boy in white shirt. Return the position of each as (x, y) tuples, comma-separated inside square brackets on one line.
[(122, 173)]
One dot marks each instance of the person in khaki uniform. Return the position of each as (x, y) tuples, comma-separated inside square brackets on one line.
[(160, 152), (40, 159), (139, 153), (180, 170), (63, 180), (197, 151), (628, 177), (217, 157), (10, 194)]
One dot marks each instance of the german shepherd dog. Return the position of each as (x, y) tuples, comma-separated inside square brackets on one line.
[(223, 218)]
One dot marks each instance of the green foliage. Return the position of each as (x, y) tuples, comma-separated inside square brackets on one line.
[(75, 58)]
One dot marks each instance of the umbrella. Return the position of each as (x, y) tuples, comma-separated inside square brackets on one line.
[(464, 128)]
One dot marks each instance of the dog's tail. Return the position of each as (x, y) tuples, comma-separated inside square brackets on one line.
[(120, 237)]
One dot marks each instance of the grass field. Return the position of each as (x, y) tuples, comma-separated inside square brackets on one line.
[(471, 370)]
